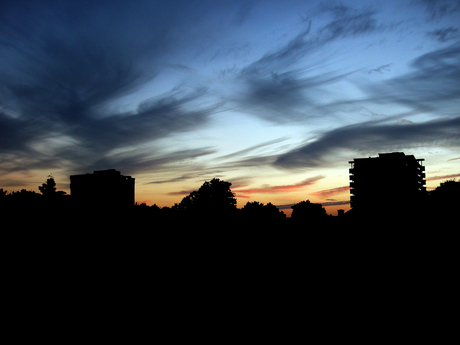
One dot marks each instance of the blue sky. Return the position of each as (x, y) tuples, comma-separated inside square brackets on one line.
[(273, 96)]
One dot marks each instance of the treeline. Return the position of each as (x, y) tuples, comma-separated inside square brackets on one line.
[(213, 205)]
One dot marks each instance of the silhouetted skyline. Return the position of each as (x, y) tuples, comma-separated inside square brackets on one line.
[(274, 96), (392, 183), (104, 201)]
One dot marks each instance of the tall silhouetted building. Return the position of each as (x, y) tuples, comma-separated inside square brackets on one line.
[(104, 188), (389, 181)]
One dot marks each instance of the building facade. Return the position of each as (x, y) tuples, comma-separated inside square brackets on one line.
[(104, 188), (391, 180)]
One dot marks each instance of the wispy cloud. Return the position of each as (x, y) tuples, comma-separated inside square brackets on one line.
[(174, 179), (137, 160), (278, 189), (61, 84), (442, 177), (249, 162), (181, 192), (335, 203), (344, 21), (434, 83), (436, 9), (381, 69), (278, 90), (327, 193), (95, 137), (372, 137), (288, 96), (445, 34), (348, 21), (253, 148)]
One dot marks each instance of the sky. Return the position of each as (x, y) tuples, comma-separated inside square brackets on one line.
[(275, 97)]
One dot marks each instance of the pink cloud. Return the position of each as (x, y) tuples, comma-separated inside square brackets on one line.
[(279, 189), (326, 193)]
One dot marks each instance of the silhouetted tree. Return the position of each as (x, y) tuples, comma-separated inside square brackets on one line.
[(214, 197), (448, 190), (22, 201), (253, 208), (258, 213), (48, 189), (308, 212), (445, 200), (272, 212)]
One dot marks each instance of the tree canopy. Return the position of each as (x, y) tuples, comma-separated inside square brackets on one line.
[(48, 189), (305, 210), (212, 196)]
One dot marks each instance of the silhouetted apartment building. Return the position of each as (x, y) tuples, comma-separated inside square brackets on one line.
[(391, 180), (104, 188)]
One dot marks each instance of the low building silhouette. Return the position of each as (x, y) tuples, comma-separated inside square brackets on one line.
[(103, 188), (391, 181)]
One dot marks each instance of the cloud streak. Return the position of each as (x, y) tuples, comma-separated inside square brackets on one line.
[(136, 160), (443, 177), (444, 35), (434, 85), (327, 193), (278, 189), (370, 137), (277, 90), (437, 9)]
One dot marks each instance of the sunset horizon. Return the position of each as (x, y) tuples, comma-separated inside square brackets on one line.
[(276, 97), (244, 195)]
